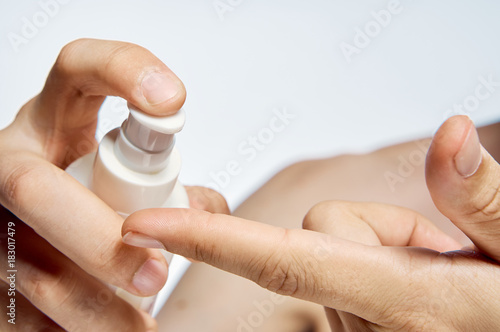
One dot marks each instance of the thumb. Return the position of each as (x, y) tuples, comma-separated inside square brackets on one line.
[(464, 181)]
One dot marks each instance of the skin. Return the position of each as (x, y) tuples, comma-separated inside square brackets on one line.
[(60, 280), (218, 298), (65, 254), (414, 276), (350, 178)]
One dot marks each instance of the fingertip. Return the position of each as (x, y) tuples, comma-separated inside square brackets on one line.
[(150, 324), (463, 180), (162, 93), (167, 226), (447, 243), (149, 221), (141, 241), (469, 156), (446, 144), (105, 67), (449, 137), (206, 199)]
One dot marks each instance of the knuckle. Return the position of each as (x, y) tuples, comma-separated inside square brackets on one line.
[(207, 199), (108, 257), (279, 272), (47, 291), (15, 184), (486, 203), (114, 58), (40, 291), (65, 59), (317, 214), (280, 279), (111, 58), (204, 252)]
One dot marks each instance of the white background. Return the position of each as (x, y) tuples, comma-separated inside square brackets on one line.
[(276, 54)]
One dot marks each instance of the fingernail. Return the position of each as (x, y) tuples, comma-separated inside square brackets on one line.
[(468, 159), (158, 87), (142, 241), (151, 277), (469, 248)]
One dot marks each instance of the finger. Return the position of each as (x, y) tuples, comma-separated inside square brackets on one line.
[(377, 224), (53, 126), (347, 276), (464, 182), (86, 71), (373, 224), (89, 68), (207, 199), (22, 315), (63, 291), (77, 223)]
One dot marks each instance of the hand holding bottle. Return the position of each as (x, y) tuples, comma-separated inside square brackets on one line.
[(67, 241), (374, 267)]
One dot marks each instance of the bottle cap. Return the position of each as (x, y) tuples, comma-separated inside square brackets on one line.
[(145, 141), (152, 133)]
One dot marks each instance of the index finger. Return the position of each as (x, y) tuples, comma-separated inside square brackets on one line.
[(59, 124), (93, 68), (304, 264)]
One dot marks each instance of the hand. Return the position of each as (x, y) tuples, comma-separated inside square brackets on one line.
[(67, 241), (375, 267)]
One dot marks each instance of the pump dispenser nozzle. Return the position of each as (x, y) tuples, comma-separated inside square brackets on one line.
[(145, 141)]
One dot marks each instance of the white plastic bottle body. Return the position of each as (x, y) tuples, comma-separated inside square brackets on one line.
[(127, 191)]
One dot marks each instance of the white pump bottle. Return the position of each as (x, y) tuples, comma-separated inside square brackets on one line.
[(136, 167)]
